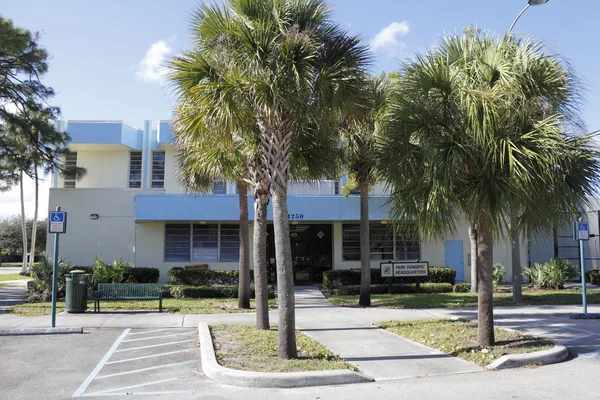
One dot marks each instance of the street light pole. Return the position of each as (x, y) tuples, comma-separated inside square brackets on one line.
[(515, 241), (529, 4)]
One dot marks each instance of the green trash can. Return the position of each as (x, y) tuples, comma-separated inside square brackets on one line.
[(76, 292)]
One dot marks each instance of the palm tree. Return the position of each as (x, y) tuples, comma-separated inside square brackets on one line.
[(360, 157), (204, 157), (475, 144), (282, 63)]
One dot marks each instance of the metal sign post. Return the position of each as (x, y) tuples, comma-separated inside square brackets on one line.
[(57, 224), (583, 233)]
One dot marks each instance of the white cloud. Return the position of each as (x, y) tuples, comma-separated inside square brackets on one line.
[(10, 202), (152, 68), (389, 37)]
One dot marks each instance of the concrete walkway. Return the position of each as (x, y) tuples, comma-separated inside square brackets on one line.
[(379, 354), (14, 292)]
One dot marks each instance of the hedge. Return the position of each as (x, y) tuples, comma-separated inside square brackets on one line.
[(338, 278), (180, 276), (462, 288), (594, 278), (138, 274), (401, 288), (216, 291)]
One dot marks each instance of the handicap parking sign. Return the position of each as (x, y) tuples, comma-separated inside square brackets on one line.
[(583, 231), (57, 222)]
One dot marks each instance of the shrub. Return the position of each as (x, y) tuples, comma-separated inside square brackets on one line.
[(338, 278), (180, 276), (117, 272), (42, 271), (462, 288), (401, 288), (594, 278), (552, 274), (498, 274), (143, 275), (555, 272), (217, 291)]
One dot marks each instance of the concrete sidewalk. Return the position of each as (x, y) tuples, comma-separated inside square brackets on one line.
[(377, 353), (12, 293)]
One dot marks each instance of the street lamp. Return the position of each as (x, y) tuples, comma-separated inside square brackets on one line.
[(515, 239), (530, 3)]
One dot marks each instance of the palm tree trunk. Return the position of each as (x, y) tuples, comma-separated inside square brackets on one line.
[(516, 258), (35, 217), (244, 282), (473, 237), (485, 311), (285, 276), (23, 227), (261, 201), (365, 254)]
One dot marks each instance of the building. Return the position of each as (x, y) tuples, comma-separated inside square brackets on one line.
[(130, 205)]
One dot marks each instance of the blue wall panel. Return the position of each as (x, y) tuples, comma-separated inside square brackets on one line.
[(173, 207), (104, 133)]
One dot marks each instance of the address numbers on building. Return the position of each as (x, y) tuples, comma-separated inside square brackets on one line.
[(295, 216)]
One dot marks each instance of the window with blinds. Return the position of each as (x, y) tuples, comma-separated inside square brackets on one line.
[(219, 187), (387, 242), (135, 169), (158, 169), (70, 178), (202, 242)]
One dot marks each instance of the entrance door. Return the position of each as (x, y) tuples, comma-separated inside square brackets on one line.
[(312, 249), (453, 249), (301, 257)]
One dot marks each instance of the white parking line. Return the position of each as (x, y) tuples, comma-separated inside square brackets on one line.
[(150, 356), (576, 338), (154, 345), (157, 337), (93, 374), (112, 391), (153, 330), (135, 371)]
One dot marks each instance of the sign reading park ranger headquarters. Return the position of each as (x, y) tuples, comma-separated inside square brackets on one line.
[(404, 268)]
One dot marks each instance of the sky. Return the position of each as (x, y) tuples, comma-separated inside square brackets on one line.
[(107, 56)]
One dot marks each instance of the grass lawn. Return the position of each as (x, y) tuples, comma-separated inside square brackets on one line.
[(245, 348), (174, 306), (12, 277), (459, 338), (449, 300), (11, 264)]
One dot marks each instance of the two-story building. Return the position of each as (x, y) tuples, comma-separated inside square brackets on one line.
[(130, 205)]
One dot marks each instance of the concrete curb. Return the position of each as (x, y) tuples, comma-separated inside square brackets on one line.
[(39, 331), (554, 355), (213, 370)]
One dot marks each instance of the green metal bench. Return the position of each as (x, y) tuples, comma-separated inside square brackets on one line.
[(128, 291)]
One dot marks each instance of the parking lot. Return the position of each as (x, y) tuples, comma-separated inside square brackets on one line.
[(146, 362)]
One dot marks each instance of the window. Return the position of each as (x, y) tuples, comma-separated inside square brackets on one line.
[(219, 187), (135, 169), (177, 242), (205, 242), (70, 162), (387, 242), (158, 169), (202, 242)]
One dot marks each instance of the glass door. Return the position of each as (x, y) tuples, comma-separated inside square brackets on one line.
[(301, 257)]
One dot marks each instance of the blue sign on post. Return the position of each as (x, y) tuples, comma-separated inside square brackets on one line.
[(583, 231), (57, 223)]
